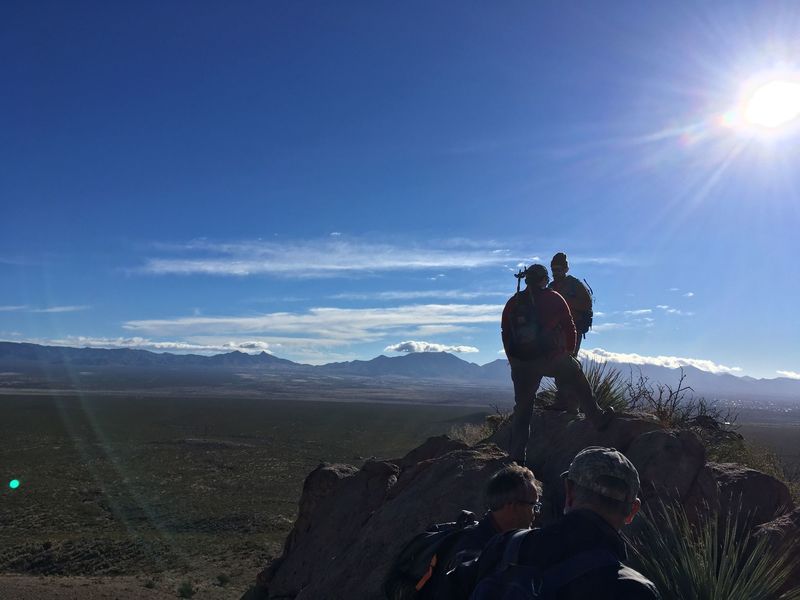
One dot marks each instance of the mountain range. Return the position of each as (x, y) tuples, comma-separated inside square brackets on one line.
[(59, 362)]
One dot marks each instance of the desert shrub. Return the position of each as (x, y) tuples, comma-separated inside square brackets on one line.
[(470, 433), (473, 433), (718, 557), (223, 579), (186, 590), (607, 383)]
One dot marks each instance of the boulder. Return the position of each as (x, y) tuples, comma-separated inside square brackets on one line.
[(742, 489), (355, 534), (784, 533), (668, 462)]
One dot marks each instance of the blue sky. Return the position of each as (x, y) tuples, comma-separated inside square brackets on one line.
[(328, 181)]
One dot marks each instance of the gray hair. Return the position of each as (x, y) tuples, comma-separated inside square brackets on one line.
[(510, 484)]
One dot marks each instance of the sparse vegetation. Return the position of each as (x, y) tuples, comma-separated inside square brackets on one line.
[(717, 558), (223, 579), (473, 433), (186, 590), (124, 485), (608, 386)]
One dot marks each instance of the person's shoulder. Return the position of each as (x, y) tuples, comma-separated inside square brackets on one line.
[(635, 586), (574, 280)]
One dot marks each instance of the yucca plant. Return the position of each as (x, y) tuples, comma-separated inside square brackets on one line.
[(716, 559), (608, 386)]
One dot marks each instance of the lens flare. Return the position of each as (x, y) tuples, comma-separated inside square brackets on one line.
[(13, 484)]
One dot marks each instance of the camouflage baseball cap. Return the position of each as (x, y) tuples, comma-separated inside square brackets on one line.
[(605, 471)]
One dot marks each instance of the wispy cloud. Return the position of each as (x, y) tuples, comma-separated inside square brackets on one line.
[(412, 346), (640, 311), (60, 309), (672, 362), (674, 311), (601, 327), (13, 308), (338, 255), (333, 326), (326, 257), (688, 295), (418, 294), (789, 374)]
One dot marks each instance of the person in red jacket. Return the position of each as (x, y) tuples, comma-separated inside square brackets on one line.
[(539, 339)]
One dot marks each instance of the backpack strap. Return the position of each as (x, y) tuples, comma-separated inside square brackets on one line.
[(577, 566), (511, 552)]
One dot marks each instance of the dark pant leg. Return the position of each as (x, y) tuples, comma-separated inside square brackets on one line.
[(570, 377), (526, 380)]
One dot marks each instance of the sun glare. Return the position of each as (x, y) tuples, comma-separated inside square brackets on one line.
[(773, 104)]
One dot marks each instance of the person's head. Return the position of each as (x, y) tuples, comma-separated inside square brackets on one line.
[(536, 277), (512, 495), (604, 481), (559, 266)]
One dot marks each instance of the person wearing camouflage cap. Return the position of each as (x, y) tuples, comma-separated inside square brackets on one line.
[(539, 340), (583, 554)]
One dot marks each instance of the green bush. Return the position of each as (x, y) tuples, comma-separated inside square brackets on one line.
[(716, 559), (608, 387), (185, 590)]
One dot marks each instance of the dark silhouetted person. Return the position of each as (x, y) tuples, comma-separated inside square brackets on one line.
[(575, 293), (581, 555), (512, 500), (539, 340)]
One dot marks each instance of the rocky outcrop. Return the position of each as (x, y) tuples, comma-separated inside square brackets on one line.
[(759, 496), (353, 522), (354, 526), (783, 533)]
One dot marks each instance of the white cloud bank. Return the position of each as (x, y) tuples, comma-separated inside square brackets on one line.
[(671, 362), (412, 346), (789, 374), (141, 343), (332, 326)]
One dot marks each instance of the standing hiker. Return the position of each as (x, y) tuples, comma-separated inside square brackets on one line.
[(575, 292), (539, 340)]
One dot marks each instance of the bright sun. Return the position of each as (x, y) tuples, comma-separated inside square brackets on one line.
[(773, 104)]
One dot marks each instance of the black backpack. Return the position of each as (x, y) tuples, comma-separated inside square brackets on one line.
[(512, 581), (527, 340), (420, 562)]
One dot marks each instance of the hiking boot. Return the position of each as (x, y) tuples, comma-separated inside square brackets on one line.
[(603, 420)]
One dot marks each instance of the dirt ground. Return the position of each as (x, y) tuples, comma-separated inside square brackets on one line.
[(165, 586)]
